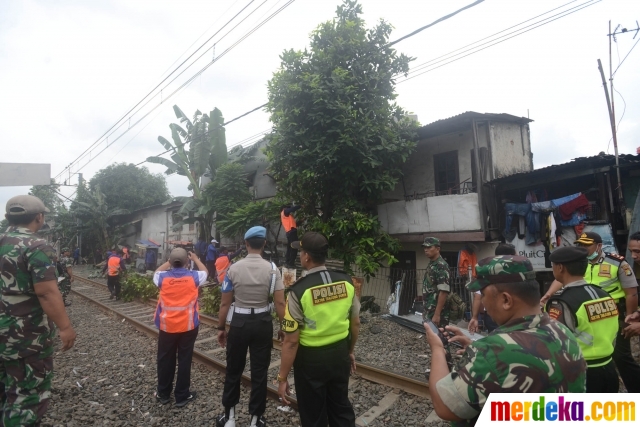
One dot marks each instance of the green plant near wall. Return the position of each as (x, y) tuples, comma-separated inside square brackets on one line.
[(138, 286), (210, 300)]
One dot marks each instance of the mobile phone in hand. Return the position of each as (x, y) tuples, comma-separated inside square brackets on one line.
[(436, 331)]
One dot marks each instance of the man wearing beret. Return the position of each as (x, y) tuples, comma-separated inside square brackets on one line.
[(253, 282), (612, 273), (528, 353), (436, 284), (30, 303), (590, 313)]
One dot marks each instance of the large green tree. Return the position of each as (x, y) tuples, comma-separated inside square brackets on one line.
[(126, 186), (339, 139)]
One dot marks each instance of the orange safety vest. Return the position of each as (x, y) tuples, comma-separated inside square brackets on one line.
[(222, 266), (113, 265), (177, 309), (288, 222)]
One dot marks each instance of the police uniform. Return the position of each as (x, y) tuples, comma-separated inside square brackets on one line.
[(177, 318), (613, 274), (530, 354), (436, 279), (26, 334), (251, 328), (592, 315), (320, 306)]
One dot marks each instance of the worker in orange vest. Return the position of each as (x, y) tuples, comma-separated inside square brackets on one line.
[(113, 266), (289, 224), (177, 318), (223, 262)]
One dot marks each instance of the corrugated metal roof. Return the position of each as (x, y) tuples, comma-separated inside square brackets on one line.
[(463, 120), (592, 162)]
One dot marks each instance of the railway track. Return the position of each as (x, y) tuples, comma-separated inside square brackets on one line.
[(208, 353)]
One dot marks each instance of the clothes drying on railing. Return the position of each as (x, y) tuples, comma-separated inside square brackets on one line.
[(543, 219)]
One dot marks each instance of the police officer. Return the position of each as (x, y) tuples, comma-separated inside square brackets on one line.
[(321, 328), (249, 281), (28, 292), (436, 284), (528, 353), (612, 273), (590, 313)]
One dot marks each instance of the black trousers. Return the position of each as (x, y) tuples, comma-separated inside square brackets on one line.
[(322, 385), (253, 332), (290, 256), (627, 366), (113, 283), (170, 345), (603, 379)]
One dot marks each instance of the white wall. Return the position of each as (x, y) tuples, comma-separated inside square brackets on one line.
[(432, 214), (511, 148)]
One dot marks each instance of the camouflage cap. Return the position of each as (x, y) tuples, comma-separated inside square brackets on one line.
[(431, 241), (25, 205), (502, 269)]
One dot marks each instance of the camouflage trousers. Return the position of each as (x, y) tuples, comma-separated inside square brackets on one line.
[(430, 310), (25, 390), (65, 287)]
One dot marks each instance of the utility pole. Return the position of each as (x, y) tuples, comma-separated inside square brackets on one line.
[(79, 223)]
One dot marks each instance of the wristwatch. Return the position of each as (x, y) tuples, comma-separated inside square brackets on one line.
[(280, 379), (222, 328)]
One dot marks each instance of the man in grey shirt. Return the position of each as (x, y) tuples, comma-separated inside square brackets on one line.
[(249, 281)]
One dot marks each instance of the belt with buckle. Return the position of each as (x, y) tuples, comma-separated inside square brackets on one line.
[(241, 310)]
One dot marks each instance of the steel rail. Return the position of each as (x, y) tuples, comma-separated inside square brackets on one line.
[(199, 356), (406, 383)]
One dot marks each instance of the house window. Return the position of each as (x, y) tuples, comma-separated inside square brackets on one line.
[(446, 170)]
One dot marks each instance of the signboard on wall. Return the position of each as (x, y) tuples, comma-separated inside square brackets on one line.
[(19, 174)]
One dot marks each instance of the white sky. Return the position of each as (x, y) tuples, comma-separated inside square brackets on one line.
[(70, 68)]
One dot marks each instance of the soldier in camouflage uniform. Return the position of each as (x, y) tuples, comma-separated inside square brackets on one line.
[(436, 285), (64, 268), (29, 291), (527, 353)]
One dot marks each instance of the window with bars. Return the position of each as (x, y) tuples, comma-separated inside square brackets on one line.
[(445, 166)]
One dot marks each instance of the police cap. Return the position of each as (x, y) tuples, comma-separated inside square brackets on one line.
[(312, 242), (25, 205), (568, 254), (502, 269), (589, 238), (257, 231)]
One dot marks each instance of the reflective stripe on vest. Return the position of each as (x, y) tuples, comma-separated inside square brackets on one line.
[(177, 309), (114, 265), (608, 281), (288, 222), (326, 310), (222, 266)]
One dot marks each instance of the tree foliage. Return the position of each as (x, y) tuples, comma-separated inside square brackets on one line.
[(339, 139), (126, 186), (49, 195), (228, 191)]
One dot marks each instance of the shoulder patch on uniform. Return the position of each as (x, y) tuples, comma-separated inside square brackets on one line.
[(560, 291), (328, 293), (555, 310), (615, 256), (288, 323), (626, 268), (601, 310)]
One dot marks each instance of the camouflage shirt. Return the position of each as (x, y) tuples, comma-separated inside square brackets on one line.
[(532, 354), (25, 260), (436, 279)]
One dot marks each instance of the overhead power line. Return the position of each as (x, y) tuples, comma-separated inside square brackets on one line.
[(189, 81), (444, 18), (456, 57), (121, 121)]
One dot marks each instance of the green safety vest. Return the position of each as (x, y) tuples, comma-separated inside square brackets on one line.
[(595, 320), (604, 274), (326, 298)]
